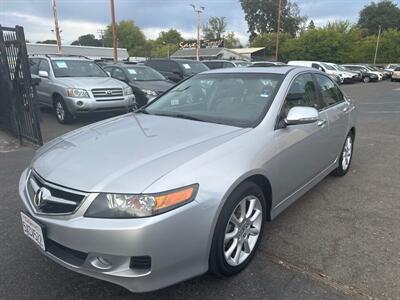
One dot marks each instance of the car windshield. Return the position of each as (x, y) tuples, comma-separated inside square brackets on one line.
[(144, 74), (77, 68), (193, 67), (237, 99), (340, 68), (326, 66)]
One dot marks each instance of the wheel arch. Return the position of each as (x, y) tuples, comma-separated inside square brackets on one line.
[(54, 96)]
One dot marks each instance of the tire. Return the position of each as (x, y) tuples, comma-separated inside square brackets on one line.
[(366, 79), (346, 156), (221, 263), (62, 113)]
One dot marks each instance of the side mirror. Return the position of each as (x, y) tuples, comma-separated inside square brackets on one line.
[(301, 115), (44, 74)]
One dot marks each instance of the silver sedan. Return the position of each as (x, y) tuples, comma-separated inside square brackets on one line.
[(185, 184)]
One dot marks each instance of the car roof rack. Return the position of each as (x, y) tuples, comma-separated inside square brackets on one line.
[(60, 55)]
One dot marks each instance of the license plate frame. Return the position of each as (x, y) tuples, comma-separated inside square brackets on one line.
[(33, 230)]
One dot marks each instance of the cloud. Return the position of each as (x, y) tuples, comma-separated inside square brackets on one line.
[(39, 28)]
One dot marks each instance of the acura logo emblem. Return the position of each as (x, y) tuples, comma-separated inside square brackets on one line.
[(41, 195)]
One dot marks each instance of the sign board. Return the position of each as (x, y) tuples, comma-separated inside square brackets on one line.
[(206, 43)]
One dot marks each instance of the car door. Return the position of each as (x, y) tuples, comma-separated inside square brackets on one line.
[(302, 148), (333, 103), (45, 87)]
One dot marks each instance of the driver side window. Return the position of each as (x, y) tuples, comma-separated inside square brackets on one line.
[(302, 92)]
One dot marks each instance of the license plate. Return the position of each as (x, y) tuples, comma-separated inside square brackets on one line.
[(33, 230)]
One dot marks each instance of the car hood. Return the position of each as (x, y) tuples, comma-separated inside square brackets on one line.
[(126, 154), (157, 86), (89, 83)]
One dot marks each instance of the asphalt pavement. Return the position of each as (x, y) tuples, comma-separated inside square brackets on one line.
[(339, 241)]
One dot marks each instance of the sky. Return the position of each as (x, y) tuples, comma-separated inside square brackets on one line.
[(78, 17)]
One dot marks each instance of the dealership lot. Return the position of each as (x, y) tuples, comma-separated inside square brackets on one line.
[(339, 241)]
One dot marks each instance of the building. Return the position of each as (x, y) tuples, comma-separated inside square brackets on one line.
[(90, 52), (209, 53), (252, 53)]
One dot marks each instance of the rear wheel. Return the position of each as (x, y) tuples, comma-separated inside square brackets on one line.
[(238, 231), (61, 110), (345, 156)]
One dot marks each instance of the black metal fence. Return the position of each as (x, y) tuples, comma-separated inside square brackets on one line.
[(18, 105)]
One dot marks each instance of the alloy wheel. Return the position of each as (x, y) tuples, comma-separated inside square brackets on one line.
[(243, 230), (60, 112), (347, 152)]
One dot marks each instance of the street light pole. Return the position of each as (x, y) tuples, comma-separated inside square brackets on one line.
[(198, 12), (278, 29), (56, 27), (114, 31), (377, 43)]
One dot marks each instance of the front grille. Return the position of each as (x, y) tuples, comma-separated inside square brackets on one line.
[(59, 200), (104, 94)]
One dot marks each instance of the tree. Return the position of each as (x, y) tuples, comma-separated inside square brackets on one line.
[(215, 28), (385, 13), (129, 36), (172, 36), (51, 42), (261, 16), (231, 41), (311, 25), (87, 40), (267, 40)]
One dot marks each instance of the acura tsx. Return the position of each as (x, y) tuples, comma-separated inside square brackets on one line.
[(185, 184)]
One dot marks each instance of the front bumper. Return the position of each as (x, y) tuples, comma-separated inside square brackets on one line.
[(176, 243), (92, 105)]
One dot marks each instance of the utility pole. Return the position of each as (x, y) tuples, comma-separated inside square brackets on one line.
[(101, 33), (114, 31), (57, 28), (198, 12), (377, 43), (278, 29)]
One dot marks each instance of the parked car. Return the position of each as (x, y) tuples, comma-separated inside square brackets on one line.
[(334, 74), (349, 76), (370, 70), (390, 67), (185, 184), (145, 82), (176, 69), (367, 76), (220, 64), (267, 64), (396, 74), (75, 86), (385, 74)]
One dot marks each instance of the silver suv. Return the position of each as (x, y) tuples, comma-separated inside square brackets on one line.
[(76, 85)]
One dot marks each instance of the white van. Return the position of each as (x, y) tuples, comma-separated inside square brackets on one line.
[(339, 76)]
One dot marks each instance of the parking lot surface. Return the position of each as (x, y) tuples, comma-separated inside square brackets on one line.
[(339, 241)]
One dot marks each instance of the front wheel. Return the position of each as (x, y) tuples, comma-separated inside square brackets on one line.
[(366, 79), (62, 113), (238, 231), (345, 156)]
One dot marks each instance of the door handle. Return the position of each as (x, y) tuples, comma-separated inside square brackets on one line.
[(321, 122), (346, 109)]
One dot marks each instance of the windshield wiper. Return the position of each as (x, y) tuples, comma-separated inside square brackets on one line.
[(181, 116)]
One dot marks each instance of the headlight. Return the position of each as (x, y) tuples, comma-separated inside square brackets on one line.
[(77, 93), (128, 91), (137, 206), (149, 92)]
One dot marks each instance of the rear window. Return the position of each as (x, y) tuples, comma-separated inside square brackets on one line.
[(193, 67)]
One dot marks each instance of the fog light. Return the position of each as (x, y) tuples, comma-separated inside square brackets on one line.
[(79, 103), (100, 262)]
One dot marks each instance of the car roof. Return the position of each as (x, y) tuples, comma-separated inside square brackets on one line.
[(183, 60), (269, 70), (60, 57)]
